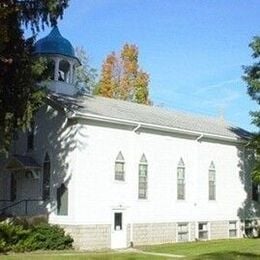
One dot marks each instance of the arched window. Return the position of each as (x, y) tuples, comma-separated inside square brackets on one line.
[(181, 180), (62, 200), (49, 72), (46, 178), (212, 181), (64, 70), (142, 183), (119, 167)]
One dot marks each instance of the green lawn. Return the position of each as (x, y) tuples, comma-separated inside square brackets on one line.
[(218, 249), (80, 256)]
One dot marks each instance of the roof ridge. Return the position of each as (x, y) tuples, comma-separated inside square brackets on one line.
[(153, 115)]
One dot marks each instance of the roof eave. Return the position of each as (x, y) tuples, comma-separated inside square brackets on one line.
[(36, 54), (139, 125)]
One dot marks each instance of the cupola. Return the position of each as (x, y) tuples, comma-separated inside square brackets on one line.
[(63, 61)]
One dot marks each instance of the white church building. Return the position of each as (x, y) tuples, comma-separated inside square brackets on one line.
[(116, 174)]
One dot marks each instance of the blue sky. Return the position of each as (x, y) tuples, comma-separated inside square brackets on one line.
[(193, 50)]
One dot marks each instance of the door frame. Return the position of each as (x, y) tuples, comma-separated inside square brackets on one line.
[(119, 237)]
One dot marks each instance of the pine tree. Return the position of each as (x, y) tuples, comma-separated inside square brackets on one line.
[(19, 73), (121, 77)]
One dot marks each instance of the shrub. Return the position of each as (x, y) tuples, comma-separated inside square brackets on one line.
[(2, 246), (28, 238), (11, 234), (46, 237)]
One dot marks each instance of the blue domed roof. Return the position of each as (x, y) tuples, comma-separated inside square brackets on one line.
[(54, 43)]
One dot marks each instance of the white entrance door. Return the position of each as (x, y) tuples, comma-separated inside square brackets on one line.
[(118, 232)]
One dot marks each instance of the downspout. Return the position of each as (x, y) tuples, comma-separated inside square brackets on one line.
[(136, 128), (132, 234), (132, 224), (200, 137)]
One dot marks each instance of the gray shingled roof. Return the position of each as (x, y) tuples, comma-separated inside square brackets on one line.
[(124, 110)]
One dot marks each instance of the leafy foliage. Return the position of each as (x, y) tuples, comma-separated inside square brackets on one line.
[(19, 97), (255, 144), (28, 238), (252, 78), (33, 13), (121, 77), (85, 74)]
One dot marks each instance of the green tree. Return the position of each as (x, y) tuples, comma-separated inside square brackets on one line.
[(252, 78), (19, 73), (85, 74), (121, 77)]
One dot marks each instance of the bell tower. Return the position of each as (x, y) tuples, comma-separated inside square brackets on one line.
[(61, 55)]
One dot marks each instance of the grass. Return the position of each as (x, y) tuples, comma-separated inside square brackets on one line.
[(214, 250), (79, 256)]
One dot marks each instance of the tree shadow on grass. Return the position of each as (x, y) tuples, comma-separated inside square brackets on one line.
[(228, 255)]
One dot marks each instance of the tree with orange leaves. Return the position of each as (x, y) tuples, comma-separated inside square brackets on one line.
[(121, 77)]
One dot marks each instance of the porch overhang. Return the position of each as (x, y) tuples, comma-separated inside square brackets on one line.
[(21, 163)]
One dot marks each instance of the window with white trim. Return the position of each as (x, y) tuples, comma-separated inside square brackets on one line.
[(181, 180), (183, 232), (212, 182), (120, 167), (62, 200), (232, 228), (203, 230), (142, 178)]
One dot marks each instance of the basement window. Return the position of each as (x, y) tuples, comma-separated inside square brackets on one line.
[(183, 232), (232, 229)]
